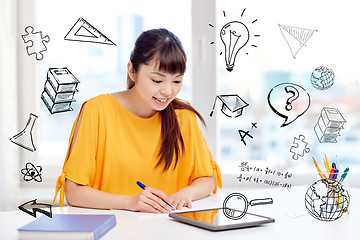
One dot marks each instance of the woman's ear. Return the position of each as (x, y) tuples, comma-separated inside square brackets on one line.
[(131, 71)]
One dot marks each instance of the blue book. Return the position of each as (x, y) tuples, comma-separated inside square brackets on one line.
[(68, 226)]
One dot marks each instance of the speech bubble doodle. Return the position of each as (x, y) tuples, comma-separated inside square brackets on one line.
[(282, 99)]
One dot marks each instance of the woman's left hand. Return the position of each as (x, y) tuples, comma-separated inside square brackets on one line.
[(181, 199)]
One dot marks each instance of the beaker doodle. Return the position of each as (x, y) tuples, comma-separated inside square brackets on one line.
[(24, 138), (239, 202)]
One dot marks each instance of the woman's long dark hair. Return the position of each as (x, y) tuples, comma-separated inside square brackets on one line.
[(166, 48)]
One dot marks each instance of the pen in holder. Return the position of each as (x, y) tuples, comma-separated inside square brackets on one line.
[(328, 198)]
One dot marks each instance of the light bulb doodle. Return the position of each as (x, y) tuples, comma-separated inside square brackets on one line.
[(235, 35), (283, 104)]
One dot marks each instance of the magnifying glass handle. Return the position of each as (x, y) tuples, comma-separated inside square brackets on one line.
[(262, 201)]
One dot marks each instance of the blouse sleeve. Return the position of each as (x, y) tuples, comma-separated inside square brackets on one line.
[(80, 162), (204, 165)]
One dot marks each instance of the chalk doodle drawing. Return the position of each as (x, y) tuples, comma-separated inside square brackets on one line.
[(295, 37), (83, 31), (238, 201), (36, 42), (329, 124), (327, 200), (232, 105), (235, 35), (59, 90), (322, 78), (30, 172), (36, 207), (283, 97), (24, 138), (299, 148)]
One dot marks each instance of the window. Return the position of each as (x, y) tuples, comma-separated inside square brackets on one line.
[(266, 60), (100, 68)]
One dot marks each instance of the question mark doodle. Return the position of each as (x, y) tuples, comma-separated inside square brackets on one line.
[(279, 96), (290, 100)]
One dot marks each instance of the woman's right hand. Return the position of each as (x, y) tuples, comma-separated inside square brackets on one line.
[(149, 201)]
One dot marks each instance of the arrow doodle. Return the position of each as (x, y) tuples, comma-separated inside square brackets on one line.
[(36, 207)]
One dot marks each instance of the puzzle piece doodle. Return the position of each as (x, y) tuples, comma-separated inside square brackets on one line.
[(299, 147), (37, 42)]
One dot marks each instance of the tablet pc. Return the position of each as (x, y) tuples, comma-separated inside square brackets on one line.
[(216, 219)]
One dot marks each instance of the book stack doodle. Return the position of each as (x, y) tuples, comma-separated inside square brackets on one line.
[(59, 90), (329, 125)]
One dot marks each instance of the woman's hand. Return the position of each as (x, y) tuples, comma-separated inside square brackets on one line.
[(181, 199), (150, 200)]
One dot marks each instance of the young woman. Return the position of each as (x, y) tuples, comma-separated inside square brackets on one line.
[(142, 134)]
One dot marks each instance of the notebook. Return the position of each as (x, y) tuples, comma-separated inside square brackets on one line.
[(68, 226)]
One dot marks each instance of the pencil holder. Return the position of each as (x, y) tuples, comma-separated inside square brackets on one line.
[(328, 198)]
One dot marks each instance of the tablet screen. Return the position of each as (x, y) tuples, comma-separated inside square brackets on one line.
[(216, 219)]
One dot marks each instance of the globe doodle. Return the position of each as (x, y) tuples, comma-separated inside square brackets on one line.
[(327, 200), (322, 78)]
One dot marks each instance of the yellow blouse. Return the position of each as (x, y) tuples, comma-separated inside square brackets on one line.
[(114, 148)]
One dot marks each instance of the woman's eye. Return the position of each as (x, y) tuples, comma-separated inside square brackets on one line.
[(177, 81), (156, 81)]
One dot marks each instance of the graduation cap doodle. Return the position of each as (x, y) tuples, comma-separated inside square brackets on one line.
[(232, 105)]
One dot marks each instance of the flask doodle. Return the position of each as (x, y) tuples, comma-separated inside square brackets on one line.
[(283, 105)]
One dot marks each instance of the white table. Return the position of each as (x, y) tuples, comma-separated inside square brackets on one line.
[(162, 227)]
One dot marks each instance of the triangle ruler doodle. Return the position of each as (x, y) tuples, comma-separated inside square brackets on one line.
[(84, 32), (295, 37)]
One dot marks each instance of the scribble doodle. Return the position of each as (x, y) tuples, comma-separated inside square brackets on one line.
[(24, 138), (30, 172), (36, 207), (59, 90), (295, 37), (235, 205), (235, 35), (322, 78), (283, 96), (299, 148), (329, 124), (36, 42), (254, 125), (83, 31), (232, 105)]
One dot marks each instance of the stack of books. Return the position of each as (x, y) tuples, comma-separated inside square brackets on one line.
[(59, 90), (329, 124)]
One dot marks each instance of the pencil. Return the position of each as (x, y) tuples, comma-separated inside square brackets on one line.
[(323, 177), (327, 164)]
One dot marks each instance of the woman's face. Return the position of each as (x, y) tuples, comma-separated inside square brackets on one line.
[(156, 89)]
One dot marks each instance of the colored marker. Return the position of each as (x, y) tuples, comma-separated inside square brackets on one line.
[(343, 176), (331, 175), (140, 184), (336, 174)]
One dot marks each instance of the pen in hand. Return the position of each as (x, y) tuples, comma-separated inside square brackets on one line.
[(140, 184)]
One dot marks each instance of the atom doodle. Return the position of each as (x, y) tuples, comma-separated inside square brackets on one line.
[(31, 172)]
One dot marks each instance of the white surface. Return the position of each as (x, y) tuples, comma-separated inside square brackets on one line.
[(286, 202)]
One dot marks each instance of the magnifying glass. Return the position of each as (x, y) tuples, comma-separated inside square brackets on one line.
[(237, 201)]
